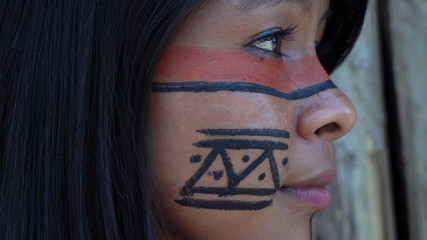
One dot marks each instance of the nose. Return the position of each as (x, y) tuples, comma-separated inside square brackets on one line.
[(327, 115)]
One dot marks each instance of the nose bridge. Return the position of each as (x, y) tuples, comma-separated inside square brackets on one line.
[(303, 72)]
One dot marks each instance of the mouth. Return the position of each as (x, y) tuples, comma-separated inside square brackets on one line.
[(311, 191)]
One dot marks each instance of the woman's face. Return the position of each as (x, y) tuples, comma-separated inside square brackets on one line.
[(243, 122)]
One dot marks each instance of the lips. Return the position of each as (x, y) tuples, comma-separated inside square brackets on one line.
[(311, 191)]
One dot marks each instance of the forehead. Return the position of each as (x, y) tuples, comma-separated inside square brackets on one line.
[(248, 8), (230, 23)]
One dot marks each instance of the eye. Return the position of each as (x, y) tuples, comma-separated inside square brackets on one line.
[(270, 41)]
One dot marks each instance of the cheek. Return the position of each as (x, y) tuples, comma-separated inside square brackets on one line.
[(176, 119)]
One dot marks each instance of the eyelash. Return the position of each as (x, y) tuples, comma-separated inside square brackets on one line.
[(278, 35)]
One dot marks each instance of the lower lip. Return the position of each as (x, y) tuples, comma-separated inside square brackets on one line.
[(317, 197)]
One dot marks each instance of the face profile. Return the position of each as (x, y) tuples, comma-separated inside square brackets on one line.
[(171, 119), (244, 117)]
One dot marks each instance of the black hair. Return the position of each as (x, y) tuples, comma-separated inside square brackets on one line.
[(75, 78), (75, 82), (342, 29)]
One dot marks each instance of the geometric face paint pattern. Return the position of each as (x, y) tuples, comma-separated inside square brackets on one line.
[(219, 148), (220, 142), (273, 78)]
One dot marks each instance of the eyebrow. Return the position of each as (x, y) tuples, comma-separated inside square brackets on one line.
[(251, 4)]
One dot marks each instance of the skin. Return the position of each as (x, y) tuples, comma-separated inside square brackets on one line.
[(213, 47)]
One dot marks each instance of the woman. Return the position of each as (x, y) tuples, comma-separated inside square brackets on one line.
[(170, 119)]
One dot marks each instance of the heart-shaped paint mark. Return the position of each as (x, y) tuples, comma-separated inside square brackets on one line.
[(218, 174)]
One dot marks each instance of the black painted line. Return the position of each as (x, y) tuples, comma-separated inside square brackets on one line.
[(232, 177), (274, 171), (197, 87), (246, 132), (224, 191), (224, 205), (254, 165), (187, 189), (241, 144)]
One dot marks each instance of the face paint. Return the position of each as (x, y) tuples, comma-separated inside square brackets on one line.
[(208, 70), (220, 142), (242, 87), (223, 97), (211, 70)]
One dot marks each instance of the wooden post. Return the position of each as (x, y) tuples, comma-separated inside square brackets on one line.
[(408, 30), (362, 205)]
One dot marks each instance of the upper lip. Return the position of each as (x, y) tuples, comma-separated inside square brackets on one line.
[(320, 180)]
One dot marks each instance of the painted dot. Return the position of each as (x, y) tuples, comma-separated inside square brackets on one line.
[(195, 158), (285, 161), (218, 175), (261, 177), (245, 158)]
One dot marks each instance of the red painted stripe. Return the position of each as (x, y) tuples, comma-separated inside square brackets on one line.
[(223, 65)]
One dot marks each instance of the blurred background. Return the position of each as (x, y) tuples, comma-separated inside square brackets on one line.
[(381, 188)]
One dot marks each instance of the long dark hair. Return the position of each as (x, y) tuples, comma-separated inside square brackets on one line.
[(75, 81)]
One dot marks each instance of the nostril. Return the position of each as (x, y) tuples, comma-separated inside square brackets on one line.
[(329, 128), (328, 116)]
